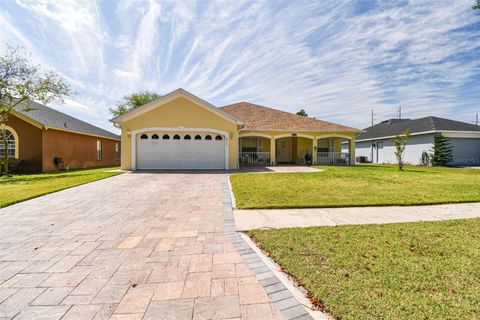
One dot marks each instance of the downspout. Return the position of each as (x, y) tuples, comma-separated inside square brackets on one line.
[(238, 144)]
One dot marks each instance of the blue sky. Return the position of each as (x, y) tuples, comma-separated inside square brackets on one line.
[(336, 59)]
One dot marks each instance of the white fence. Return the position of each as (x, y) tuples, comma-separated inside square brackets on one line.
[(333, 158), (254, 158)]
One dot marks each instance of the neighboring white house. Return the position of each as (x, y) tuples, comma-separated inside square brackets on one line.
[(375, 144)]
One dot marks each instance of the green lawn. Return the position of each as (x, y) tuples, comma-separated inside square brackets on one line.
[(362, 185), (424, 270), (26, 186)]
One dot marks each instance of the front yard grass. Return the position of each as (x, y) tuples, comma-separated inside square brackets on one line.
[(22, 187), (424, 270), (362, 185)]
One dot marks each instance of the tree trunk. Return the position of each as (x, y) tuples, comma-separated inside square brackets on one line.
[(4, 169)]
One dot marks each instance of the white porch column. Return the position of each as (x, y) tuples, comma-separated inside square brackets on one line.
[(273, 151), (314, 151)]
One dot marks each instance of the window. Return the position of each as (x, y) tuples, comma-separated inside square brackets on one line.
[(208, 137), (198, 137), (117, 151), (143, 136), (99, 150), (218, 137), (155, 136), (11, 145), (166, 137), (187, 137), (324, 145), (176, 137), (249, 144)]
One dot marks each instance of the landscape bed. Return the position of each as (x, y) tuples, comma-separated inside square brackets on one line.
[(361, 185), (22, 187), (421, 270)]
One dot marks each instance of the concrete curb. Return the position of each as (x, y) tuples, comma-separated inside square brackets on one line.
[(285, 301), (232, 195)]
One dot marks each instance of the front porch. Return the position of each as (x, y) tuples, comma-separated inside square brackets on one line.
[(263, 150)]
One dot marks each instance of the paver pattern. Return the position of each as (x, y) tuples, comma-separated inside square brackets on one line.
[(134, 246)]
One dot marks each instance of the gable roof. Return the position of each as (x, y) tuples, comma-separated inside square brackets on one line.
[(430, 124), (54, 119), (257, 117), (180, 92)]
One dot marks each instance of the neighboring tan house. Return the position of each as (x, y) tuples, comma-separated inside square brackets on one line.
[(44, 139), (182, 131), (375, 144)]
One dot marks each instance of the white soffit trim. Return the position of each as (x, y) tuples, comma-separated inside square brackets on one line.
[(461, 134), (447, 133), (170, 97)]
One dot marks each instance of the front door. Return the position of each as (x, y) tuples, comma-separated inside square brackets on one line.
[(284, 150)]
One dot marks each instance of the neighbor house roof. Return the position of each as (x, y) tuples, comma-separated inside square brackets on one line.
[(258, 117), (394, 127), (54, 119)]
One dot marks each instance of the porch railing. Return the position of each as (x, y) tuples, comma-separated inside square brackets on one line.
[(333, 158), (254, 158)]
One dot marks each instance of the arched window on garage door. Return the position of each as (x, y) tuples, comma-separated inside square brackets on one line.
[(208, 137), (144, 136), (219, 137), (155, 136), (176, 137), (187, 137), (166, 137), (198, 137)]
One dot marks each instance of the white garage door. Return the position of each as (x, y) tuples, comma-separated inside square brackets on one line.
[(167, 150)]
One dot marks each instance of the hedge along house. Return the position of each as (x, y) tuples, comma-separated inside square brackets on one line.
[(375, 143), (182, 131), (39, 138)]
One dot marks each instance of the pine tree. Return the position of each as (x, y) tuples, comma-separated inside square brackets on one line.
[(442, 152)]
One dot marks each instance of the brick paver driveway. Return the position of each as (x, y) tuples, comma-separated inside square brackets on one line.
[(135, 246)]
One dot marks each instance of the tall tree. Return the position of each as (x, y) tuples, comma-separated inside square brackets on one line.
[(302, 113), (20, 82), (442, 151), (400, 142), (132, 101), (477, 5)]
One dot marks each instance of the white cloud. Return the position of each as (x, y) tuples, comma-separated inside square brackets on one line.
[(336, 59)]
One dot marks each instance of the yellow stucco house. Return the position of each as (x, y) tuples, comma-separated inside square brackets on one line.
[(182, 131)]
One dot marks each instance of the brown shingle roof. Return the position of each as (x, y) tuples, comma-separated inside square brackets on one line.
[(260, 117)]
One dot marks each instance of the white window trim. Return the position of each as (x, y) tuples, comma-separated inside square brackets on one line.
[(17, 143), (134, 134), (99, 150)]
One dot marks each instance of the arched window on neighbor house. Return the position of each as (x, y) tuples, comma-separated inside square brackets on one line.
[(12, 144)]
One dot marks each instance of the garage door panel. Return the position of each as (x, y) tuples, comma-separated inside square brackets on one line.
[(180, 154)]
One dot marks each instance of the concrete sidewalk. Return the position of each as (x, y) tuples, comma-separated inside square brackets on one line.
[(287, 218)]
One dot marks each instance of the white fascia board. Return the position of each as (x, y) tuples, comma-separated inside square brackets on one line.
[(447, 133)]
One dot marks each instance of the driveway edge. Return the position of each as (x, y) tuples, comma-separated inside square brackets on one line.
[(279, 294)]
